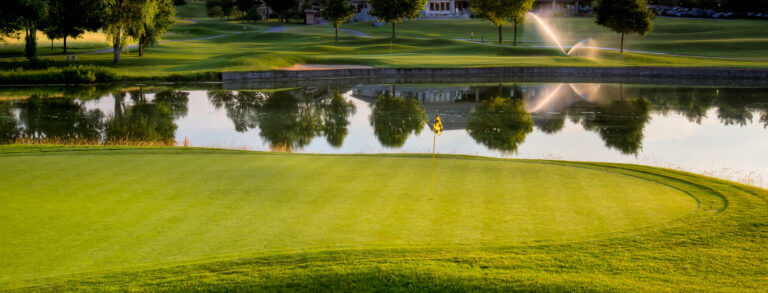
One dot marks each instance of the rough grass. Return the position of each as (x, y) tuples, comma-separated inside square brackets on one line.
[(121, 218)]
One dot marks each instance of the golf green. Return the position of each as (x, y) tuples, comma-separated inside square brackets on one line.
[(86, 211)]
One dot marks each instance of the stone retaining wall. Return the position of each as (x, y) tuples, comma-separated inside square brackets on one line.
[(664, 75)]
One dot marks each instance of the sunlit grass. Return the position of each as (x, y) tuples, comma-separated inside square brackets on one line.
[(420, 44), (160, 219)]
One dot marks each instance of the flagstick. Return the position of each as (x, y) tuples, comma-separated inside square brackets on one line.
[(432, 187)]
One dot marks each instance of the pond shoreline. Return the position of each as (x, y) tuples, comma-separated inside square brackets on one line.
[(665, 75)]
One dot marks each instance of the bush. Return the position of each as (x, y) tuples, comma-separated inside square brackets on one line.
[(76, 74)]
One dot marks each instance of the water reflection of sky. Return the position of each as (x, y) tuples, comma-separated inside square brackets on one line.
[(669, 138)]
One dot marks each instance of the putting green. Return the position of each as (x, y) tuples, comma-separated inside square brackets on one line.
[(87, 211)]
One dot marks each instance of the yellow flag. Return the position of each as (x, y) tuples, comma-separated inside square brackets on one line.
[(438, 127)]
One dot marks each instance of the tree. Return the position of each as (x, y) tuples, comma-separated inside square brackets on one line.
[(337, 12), (155, 25), (519, 18), (624, 17), (220, 8), (499, 12), (395, 11), (282, 7), (72, 18), (27, 15), (228, 7), (179, 2), (216, 12), (248, 7), (253, 14), (123, 18)]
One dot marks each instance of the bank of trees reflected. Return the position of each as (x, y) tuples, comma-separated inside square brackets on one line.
[(394, 119), (287, 120), (498, 117), (135, 119), (143, 120), (500, 123)]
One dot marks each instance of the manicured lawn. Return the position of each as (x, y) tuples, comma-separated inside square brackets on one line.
[(706, 37), (255, 49), (149, 219), (422, 43)]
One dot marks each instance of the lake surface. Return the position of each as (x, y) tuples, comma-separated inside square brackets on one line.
[(716, 131)]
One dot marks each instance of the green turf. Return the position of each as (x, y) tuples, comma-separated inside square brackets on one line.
[(428, 43), (125, 218), (707, 37)]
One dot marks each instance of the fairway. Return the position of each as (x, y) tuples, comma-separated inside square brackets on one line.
[(79, 211)]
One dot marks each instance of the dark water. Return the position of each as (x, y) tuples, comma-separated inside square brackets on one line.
[(718, 131)]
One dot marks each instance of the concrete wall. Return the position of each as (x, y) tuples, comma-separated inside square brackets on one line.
[(703, 76)]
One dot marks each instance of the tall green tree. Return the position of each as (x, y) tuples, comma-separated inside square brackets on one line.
[(395, 11), (155, 25), (624, 17), (27, 15), (72, 18), (337, 12), (247, 7), (501, 12), (123, 18), (282, 7)]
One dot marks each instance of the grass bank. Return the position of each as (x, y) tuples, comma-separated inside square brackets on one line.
[(160, 219), (195, 46)]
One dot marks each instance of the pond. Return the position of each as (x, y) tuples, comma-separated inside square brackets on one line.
[(716, 131)]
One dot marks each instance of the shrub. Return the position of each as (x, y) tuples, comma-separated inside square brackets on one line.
[(76, 74)]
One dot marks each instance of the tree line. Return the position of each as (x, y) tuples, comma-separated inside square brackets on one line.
[(120, 20), (622, 16)]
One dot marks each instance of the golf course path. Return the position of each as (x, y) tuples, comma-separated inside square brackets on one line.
[(277, 29), (358, 33)]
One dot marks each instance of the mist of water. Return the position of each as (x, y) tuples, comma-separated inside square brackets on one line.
[(548, 99), (549, 32), (586, 48)]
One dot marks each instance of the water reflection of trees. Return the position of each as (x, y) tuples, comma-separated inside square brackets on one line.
[(9, 128), (241, 107), (621, 123), (144, 121), (60, 118), (335, 115), (734, 106), (500, 124), (286, 119), (394, 119)]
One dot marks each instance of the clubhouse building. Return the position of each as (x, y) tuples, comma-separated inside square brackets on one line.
[(461, 7), (449, 9)]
